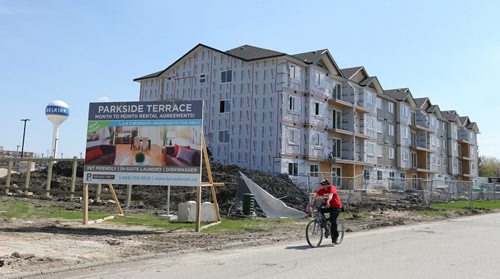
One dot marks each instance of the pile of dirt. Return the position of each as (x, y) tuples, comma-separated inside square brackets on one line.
[(155, 197)]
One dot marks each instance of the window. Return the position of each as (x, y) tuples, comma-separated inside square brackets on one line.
[(336, 148), (294, 72), (380, 150), (413, 160), (293, 135), (379, 175), (316, 108), (366, 174), (314, 170), (337, 119), (203, 78), (380, 127), (370, 148), (391, 152), (402, 176), (405, 111), (293, 168), (405, 155), (225, 106), (224, 136), (319, 78), (390, 107), (226, 76), (293, 103), (391, 176), (317, 139), (391, 130), (337, 93)]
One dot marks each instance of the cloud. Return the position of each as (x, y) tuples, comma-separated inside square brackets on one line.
[(103, 99)]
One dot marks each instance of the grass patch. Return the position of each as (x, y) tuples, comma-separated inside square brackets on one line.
[(26, 209), (462, 205)]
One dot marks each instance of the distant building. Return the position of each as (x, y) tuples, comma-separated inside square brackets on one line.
[(301, 114), (14, 154)]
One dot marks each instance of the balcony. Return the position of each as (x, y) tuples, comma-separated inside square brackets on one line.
[(340, 131), (340, 103)]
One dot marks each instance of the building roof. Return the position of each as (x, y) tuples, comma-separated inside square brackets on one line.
[(421, 101), (399, 94), (473, 126), (350, 72), (450, 115), (464, 119), (432, 108), (367, 81), (250, 53), (311, 56)]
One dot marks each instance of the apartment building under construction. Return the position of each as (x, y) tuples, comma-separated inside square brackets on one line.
[(303, 115)]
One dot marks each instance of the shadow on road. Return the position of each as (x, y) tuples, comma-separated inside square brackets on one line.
[(77, 231), (301, 247)]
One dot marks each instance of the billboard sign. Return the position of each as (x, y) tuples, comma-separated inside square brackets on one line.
[(144, 143)]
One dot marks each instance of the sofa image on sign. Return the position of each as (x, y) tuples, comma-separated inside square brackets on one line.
[(100, 155), (181, 156)]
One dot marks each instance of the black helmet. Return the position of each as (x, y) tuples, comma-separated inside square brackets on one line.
[(325, 182)]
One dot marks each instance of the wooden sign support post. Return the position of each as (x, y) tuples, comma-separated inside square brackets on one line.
[(212, 185), (85, 201)]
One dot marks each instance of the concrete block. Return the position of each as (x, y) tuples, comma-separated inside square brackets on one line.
[(187, 212), (168, 217), (208, 212)]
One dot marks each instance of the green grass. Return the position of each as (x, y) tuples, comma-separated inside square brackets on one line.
[(150, 221), (465, 205), (24, 209)]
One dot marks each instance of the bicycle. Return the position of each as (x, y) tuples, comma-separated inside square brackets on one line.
[(320, 226)]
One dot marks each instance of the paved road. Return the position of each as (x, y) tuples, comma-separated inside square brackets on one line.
[(460, 248)]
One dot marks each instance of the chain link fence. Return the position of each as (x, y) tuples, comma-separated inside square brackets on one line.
[(354, 190)]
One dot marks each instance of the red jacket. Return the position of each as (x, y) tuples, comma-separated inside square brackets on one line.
[(335, 202)]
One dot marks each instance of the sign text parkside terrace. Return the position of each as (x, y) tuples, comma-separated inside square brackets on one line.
[(154, 108), (146, 110)]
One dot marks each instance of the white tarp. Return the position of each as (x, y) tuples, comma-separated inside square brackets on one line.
[(271, 206)]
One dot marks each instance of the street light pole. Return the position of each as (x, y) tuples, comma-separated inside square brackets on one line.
[(24, 133)]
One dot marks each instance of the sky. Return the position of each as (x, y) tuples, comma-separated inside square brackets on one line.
[(90, 51)]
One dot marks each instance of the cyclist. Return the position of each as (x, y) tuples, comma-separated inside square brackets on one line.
[(333, 204)]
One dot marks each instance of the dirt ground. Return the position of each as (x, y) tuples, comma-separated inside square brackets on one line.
[(38, 246), (43, 245)]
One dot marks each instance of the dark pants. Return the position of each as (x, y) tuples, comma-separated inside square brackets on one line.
[(334, 214)]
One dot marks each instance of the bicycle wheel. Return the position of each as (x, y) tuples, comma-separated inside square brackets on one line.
[(314, 233), (340, 229)]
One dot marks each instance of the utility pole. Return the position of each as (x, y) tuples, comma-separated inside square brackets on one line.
[(24, 133)]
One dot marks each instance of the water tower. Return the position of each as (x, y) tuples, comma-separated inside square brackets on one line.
[(57, 112)]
